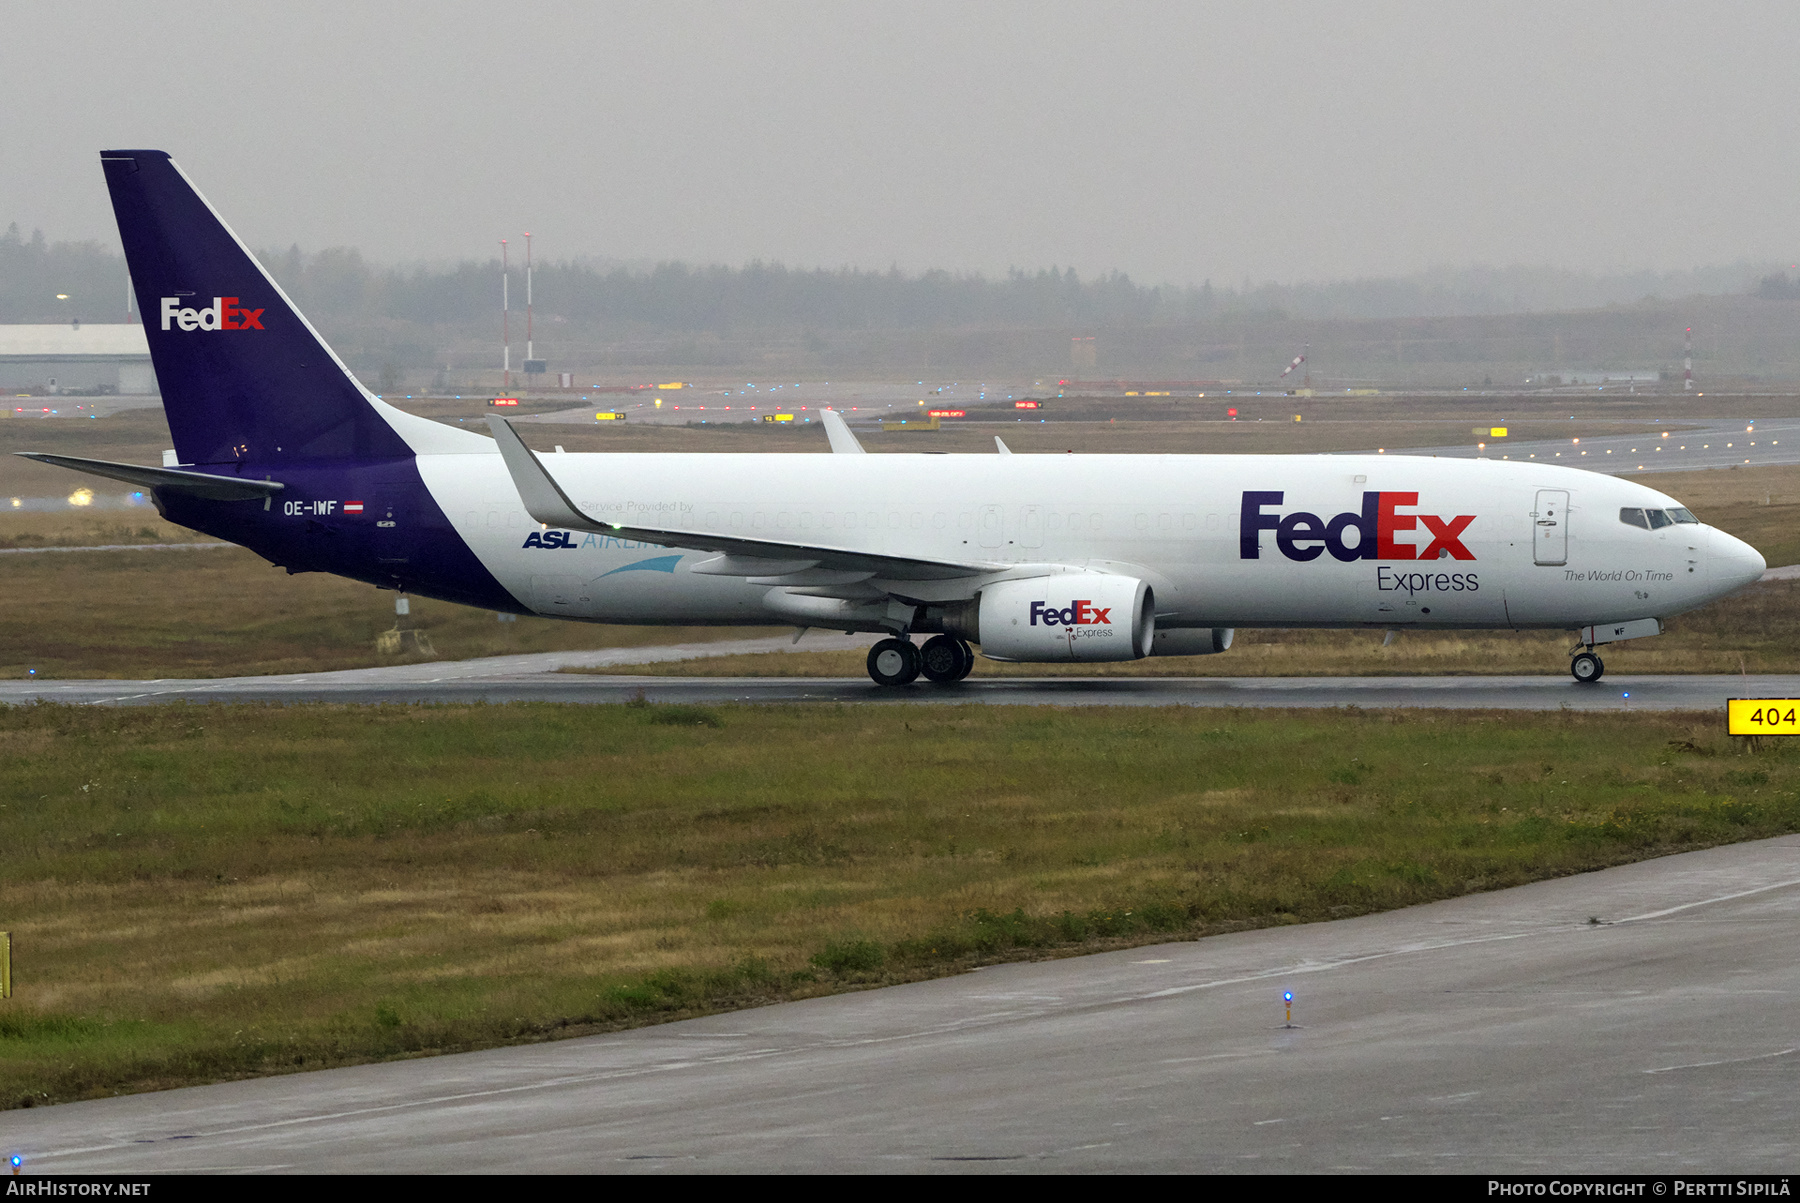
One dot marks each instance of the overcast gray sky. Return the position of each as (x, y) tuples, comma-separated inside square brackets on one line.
[(1175, 141)]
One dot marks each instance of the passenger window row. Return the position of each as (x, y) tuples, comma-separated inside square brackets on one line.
[(1655, 519)]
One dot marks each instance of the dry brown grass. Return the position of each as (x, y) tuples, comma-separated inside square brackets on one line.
[(133, 436), (205, 613), (92, 528)]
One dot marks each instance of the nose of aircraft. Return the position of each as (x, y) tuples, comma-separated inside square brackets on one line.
[(1734, 562)]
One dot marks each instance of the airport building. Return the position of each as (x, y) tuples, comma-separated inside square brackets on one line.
[(79, 358), (1644, 377)]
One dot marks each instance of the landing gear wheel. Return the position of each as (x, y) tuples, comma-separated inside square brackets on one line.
[(1586, 668), (893, 662), (945, 660)]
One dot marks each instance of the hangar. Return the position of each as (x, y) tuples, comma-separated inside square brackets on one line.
[(80, 358)]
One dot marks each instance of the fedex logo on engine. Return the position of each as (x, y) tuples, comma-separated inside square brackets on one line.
[(1080, 613), (1303, 536), (223, 314)]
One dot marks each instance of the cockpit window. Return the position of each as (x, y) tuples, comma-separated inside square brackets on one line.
[(1659, 519), (1687, 516), (1634, 517)]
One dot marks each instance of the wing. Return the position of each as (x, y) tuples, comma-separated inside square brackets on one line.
[(764, 561)]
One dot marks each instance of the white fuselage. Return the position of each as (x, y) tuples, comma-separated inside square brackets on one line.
[(1176, 521)]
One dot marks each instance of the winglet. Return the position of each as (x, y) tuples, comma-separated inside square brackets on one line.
[(1004, 449), (543, 497), (838, 431)]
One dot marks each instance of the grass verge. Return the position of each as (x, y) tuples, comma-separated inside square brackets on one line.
[(205, 892), (217, 613)]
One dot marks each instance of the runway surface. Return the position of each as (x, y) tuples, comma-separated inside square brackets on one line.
[(1643, 1019), (444, 684)]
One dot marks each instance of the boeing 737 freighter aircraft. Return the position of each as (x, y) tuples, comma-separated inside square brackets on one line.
[(1033, 557)]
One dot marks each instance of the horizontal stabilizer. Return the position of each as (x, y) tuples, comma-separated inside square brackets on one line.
[(195, 484)]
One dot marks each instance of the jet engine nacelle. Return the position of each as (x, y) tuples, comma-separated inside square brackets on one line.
[(1077, 616)]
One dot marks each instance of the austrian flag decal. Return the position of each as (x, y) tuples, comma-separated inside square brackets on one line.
[(353, 507)]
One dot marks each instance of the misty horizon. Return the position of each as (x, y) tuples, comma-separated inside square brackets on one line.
[(1432, 292)]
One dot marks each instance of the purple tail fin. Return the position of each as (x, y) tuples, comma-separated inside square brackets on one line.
[(243, 375)]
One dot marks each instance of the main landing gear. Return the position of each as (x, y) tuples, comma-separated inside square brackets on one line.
[(943, 659), (1586, 667), (946, 660)]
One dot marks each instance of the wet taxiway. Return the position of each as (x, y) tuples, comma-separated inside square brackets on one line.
[(457, 684)]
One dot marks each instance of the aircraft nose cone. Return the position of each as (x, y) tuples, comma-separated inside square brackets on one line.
[(1734, 562)]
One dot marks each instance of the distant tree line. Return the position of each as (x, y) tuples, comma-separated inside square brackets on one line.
[(339, 287), (770, 298), (758, 298), (1778, 287), (33, 272)]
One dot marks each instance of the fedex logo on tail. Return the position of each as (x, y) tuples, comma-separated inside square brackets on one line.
[(224, 314), (1080, 613), (1303, 536)]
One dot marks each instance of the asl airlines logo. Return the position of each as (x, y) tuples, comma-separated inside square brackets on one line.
[(553, 538), (1079, 613), (224, 314), (1303, 536)]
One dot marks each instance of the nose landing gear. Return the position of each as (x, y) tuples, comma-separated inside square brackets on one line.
[(1586, 667)]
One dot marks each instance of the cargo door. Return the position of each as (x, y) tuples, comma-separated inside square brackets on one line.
[(1550, 527)]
